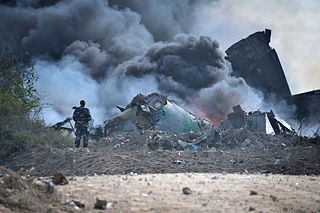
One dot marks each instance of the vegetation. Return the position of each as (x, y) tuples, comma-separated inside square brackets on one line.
[(20, 126)]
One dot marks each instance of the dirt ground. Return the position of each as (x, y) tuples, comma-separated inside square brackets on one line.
[(235, 151), (143, 172), (211, 192), (21, 193)]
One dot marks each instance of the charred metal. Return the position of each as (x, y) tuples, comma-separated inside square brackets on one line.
[(254, 60)]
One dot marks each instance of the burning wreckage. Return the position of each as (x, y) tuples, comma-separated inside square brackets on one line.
[(155, 112), (252, 59), (255, 61)]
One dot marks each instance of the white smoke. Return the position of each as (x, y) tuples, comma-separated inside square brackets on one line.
[(62, 84)]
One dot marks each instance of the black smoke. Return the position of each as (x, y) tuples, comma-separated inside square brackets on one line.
[(64, 27), (165, 18), (107, 52), (194, 70)]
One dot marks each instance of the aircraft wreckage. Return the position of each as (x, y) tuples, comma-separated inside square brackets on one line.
[(252, 59), (157, 112)]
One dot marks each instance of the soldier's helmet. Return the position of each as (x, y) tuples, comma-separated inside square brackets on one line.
[(82, 103)]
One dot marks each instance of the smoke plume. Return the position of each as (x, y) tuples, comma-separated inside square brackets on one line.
[(107, 52), (194, 70)]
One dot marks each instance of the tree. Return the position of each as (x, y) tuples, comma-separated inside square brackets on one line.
[(17, 83)]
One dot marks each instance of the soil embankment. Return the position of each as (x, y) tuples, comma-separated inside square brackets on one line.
[(235, 171)]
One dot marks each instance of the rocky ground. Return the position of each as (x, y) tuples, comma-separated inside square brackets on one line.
[(233, 156), (209, 192), (21, 193)]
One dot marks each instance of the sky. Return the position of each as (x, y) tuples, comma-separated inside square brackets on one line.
[(295, 32)]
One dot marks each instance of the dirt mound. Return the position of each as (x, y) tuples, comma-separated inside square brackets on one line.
[(201, 140), (18, 194), (163, 152)]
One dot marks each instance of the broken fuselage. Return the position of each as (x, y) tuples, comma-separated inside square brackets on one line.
[(154, 111)]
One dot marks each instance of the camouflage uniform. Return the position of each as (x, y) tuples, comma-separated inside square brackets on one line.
[(81, 117)]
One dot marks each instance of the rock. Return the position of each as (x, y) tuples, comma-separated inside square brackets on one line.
[(253, 192), (78, 204), (44, 185), (274, 198), (59, 178), (121, 138), (251, 208), (245, 143), (50, 186), (179, 162), (1, 174), (288, 156), (199, 140), (109, 205), (100, 204), (186, 190)]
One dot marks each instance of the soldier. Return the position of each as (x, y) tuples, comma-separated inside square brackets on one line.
[(81, 117)]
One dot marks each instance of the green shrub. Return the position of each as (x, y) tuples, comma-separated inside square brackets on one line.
[(19, 107)]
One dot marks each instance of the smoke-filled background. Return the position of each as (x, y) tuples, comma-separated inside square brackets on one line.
[(106, 52)]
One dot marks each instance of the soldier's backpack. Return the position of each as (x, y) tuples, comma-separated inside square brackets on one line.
[(81, 114)]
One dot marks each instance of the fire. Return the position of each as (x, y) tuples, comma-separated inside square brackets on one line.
[(214, 118)]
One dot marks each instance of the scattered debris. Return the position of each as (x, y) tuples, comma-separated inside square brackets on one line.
[(49, 185), (18, 194), (100, 204), (27, 174), (254, 121), (95, 132), (199, 140), (245, 143), (251, 208), (60, 125), (179, 162), (186, 190), (187, 146), (110, 205), (279, 126), (244, 177), (274, 198), (78, 204), (307, 106), (253, 192), (58, 178)]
